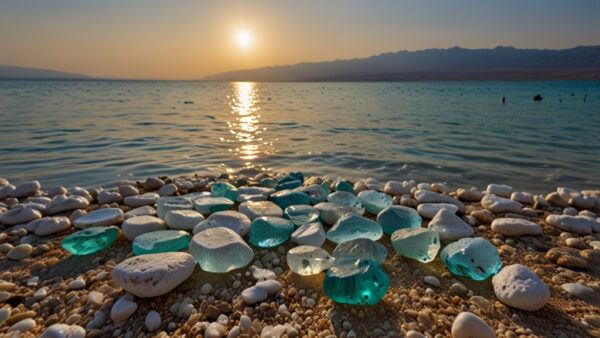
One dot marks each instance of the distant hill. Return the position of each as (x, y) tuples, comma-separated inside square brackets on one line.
[(500, 63), (23, 73)]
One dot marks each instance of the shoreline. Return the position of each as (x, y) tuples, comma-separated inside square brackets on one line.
[(422, 298)]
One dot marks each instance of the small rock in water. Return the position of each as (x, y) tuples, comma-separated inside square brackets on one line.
[(345, 198), (152, 321), (220, 250), (166, 204), (224, 189), (64, 331), (160, 241), (351, 226), (309, 234), (475, 258), (153, 274), (285, 198), (374, 201), (498, 204), (356, 281), (517, 286), (208, 205), (99, 218), (135, 226), (398, 217), (363, 248), (122, 309), (468, 325), (183, 219), (515, 227), (308, 260), (230, 219), (429, 210), (331, 212), (90, 240), (449, 226), (301, 214), (267, 232), (256, 209), (417, 243)]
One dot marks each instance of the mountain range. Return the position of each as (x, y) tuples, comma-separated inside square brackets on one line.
[(23, 73)]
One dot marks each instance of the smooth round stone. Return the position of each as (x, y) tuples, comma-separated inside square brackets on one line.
[(267, 232), (224, 189), (148, 198), (301, 214), (166, 204), (285, 198), (135, 226), (582, 292), (356, 281), (345, 198), (309, 234), (497, 204), (515, 227), (517, 286), (475, 258), (315, 192), (398, 217), (363, 248), (351, 226), (288, 182), (220, 250), (343, 185), (308, 260), (374, 201), (260, 291), (25, 189), (267, 182), (468, 325), (429, 210), (145, 210), (499, 190), (107, 197), (208, 205), (253, 194), (123, 309), (160, 241), (577, 224), (183, 219), (230, 219), (62, 203), (331, 212), (168, 190), (22, 326), (90, 240), (19, 215), (19, 252), (153, 275), (100, 218), (152, 321), (49, 225), (449, 226), (256, 209), (417, 243), (64, 331)]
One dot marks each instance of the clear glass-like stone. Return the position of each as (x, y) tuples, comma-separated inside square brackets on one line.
[(160, 241), (417, 243), (301, 214), (208, 205), (361, 248), (220, 250), (285, 198), (308, 260), (398, 217), (475, 258), (224, 189), (356, 281), (90, 240), (351, 226), (374, 201), (267, 232), (344, 198)]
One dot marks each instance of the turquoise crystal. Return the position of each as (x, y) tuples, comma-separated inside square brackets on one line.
[(344, 185), (356, 281), (208, 205), (224, 189), (351, 226), (288, 182), (475, 258), (374, 201), (267, 232), (344, 198), (160, 241), (326, 188), (361, 248), (398, 217), (285, 198), (267, 182), (308, 260), (421, 244), (301, 214), (298, 175), (90, 240)]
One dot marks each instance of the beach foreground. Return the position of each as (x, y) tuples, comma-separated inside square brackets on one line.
[(555, 237)]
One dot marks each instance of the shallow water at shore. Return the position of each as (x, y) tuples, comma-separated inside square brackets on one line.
[(98, 132)]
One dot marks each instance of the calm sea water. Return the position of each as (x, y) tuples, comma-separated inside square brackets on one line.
[(92, 133)]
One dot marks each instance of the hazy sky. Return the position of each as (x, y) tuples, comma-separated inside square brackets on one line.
[(189, 39)]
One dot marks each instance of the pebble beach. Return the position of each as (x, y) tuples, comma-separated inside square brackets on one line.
[(271, 254)]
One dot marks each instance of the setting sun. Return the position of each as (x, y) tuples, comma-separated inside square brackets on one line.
[(244, 39)]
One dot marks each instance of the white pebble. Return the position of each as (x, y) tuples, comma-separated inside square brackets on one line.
[(152, 321), (78, 283), (122, 310)]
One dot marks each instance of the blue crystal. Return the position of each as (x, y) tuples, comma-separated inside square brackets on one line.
[(351, 226), (398, 217), (285, 198), (288, 182), (160, 241), (344, 185), (208, 205), (301, 214), (90, 240), (475, 258), (224, 189), (356, 281), (326, 188), (267, 232), (374, 201), (298, 175), (344, 198)]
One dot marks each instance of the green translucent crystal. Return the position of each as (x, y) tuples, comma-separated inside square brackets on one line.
[(351, 226), (308, 260), (326, 188), (374, 201), (398, 217), (267, 232), (224, 189), (475, 258), (356, 281), (344, 186), (267, 182), (421, 244), (160, 241), (208, 205), (90, 240), (361, 248), (344, 198), (285, 198), (301, 214), (288, 182)]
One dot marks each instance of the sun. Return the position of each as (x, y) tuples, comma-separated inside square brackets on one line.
[(244, 39)]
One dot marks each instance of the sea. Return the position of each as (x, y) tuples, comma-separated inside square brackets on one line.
[(97, 133)]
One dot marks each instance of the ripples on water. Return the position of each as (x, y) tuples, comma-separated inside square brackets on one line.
[(97, 132)]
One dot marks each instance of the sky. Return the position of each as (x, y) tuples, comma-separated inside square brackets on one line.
[(185, 39)]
